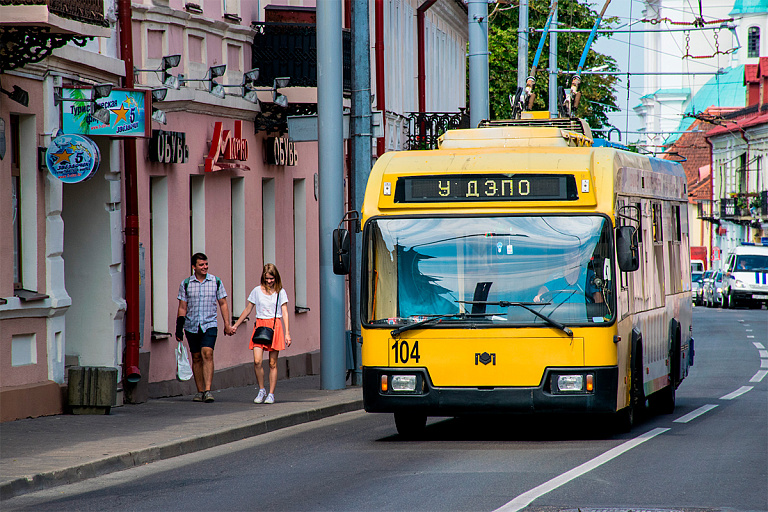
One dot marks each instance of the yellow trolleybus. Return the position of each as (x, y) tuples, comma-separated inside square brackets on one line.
[(519, 269)]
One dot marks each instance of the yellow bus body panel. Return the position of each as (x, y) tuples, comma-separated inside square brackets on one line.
[(518, 356)]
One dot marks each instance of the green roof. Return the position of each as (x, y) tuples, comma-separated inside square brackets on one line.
[(749, 7), (726, 90)]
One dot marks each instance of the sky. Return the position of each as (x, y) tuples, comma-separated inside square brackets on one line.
[(627, 49)]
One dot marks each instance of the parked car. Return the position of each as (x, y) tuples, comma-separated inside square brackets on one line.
[(713, 290), (697, 285), (745, 281)]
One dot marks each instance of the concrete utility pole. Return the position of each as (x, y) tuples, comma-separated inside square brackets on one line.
[(522, 44), (477, 17), (360, 149), (330, 154)]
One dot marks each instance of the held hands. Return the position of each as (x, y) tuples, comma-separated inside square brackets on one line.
[(229, 330)]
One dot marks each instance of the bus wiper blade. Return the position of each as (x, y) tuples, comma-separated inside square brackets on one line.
[(524, 305), (435, 319)]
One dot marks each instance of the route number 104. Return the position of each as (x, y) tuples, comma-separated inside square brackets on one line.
[(403, 352)]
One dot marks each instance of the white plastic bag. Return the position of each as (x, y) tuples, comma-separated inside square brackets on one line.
[(183, 368)]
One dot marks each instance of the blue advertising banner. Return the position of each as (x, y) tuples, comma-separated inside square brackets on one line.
[(72, 158), (128, 113)]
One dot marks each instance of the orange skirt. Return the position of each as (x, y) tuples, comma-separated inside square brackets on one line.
[(278, 339)]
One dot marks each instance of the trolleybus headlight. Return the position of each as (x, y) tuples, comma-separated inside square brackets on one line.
[(578, 383), (403, 383)]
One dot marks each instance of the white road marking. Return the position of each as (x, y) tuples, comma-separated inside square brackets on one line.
[(764, 363), (737, 393), (749, 330), (758, 377), (695, 414), (763, 353), (748, 336), (526, 498), (757, 344)]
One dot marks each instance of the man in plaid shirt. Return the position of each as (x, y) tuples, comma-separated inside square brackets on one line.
[(198, 295)]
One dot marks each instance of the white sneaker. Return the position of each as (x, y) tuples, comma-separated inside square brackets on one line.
[(260, 397), (270, 399)]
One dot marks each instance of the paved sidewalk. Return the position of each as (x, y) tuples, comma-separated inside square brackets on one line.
[(54, 450)]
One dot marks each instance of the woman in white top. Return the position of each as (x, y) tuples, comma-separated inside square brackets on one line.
[(271, 302)]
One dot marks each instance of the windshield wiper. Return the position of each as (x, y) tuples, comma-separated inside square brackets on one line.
[(524, 305), (436, 319)]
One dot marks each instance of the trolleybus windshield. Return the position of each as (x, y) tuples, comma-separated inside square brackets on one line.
[(422, 267)]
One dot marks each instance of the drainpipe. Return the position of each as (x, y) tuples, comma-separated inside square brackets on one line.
[(711, 198), (131, 370), (379, 49), (420, 13)]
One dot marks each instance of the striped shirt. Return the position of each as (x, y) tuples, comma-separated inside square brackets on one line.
[(202, 301)]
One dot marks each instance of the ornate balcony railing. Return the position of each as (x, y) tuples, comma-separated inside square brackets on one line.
[(48, 24), (741, 206), (424, 128), (86, 11), (290, 49)]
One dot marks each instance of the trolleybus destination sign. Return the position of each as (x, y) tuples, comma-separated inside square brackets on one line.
[(486, 187)]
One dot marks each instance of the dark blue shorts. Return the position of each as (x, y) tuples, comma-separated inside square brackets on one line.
[(198, 340)]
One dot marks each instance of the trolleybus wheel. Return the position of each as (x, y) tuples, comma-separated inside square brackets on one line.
[(663, 401), (627, 417), (410, 425)]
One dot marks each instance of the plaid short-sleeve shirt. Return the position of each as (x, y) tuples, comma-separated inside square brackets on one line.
[(202, 301)]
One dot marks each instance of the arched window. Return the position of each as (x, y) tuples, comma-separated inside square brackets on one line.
[(753, 42)]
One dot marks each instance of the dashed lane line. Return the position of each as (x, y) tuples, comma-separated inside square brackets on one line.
[(695, 414), (737, 393), (758, 377)]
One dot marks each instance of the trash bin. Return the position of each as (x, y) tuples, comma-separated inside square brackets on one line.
[(92, 389)]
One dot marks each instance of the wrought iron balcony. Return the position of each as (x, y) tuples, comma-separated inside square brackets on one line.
[(424, 128), (290, 49), (31, 29), (744, 206)]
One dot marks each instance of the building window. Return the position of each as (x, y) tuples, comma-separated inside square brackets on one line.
[(753, 42), (268, 219), (158, 227), (16, 201), (300, 242), (24, 183), (239, 291), (196, 214)]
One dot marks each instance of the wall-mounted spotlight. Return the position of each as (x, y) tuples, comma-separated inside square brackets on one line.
[(214, 88), (157, 114), (98, 91), (166, 63), (250, 91), (18, 95)]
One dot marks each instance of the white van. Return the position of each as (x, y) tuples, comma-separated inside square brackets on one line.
[(746, 277)]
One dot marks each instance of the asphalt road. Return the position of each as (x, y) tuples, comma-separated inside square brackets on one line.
[(711, 454)]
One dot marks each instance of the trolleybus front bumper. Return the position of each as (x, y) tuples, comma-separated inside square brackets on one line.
[(453, 401)]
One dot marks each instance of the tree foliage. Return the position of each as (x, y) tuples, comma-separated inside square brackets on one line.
[(597, 91)]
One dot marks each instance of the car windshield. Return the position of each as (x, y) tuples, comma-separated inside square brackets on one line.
[(561, 266), (696, 277), (751, 262)]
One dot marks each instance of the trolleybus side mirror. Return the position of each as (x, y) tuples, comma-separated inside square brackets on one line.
[(340, 252), (627, 253)]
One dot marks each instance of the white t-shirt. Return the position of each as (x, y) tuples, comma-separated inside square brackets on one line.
[(265, 304)]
